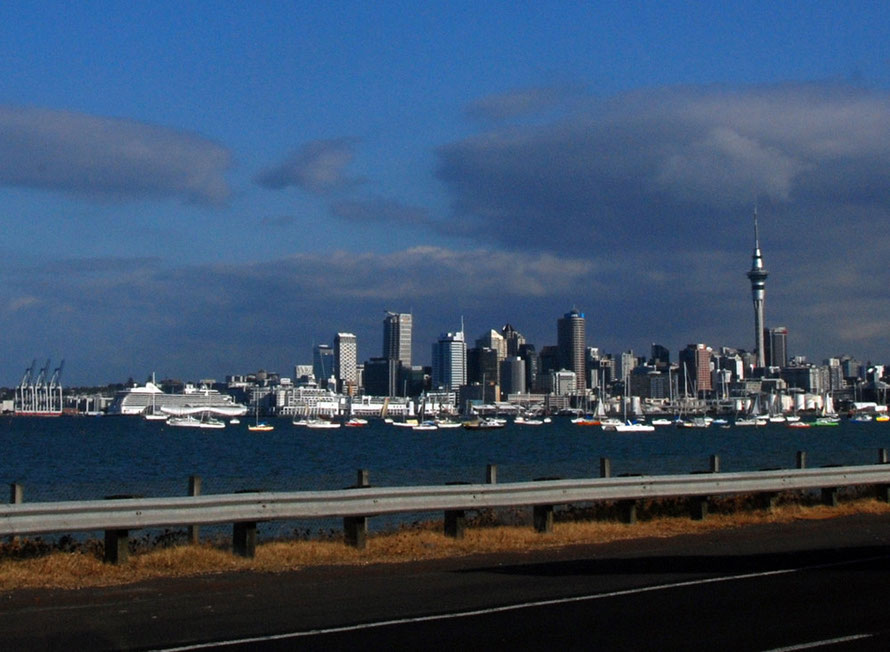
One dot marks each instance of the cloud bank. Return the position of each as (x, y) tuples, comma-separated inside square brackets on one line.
[(657, 167), (108, 158)]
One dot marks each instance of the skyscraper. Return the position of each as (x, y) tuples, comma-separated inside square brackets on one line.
[(322, 363), (449, 361), (777, 347), (345, 360), (397, 337), (757, 276), (571, 344)]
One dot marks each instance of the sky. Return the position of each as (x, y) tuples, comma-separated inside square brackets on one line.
[(204, 189)]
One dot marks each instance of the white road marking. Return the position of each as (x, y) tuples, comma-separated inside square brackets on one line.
[(530, 605), (825, 643)]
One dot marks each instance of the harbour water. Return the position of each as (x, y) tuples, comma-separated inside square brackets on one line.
[(80, 458)]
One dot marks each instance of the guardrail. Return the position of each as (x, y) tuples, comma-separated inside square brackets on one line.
[(356, 505)]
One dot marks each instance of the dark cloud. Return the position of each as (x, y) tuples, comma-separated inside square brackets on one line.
[(318, 167), (655, 168), (211, 320), (108, 158)]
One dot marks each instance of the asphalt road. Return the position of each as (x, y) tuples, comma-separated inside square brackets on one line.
[(765, 587)]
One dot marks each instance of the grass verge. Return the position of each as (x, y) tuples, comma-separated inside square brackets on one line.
[(26, 565)]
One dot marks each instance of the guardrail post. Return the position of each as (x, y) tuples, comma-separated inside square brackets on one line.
[(355, 528), (16, 493), (244, 538), (605, 467), (491, 474), (117, 542), (117, 546), (769, 501), (829, 496), (455, 523), (715, 464), (883, 490), (801, 459), (698, 508), (16, 496), (194, 490), (628, 511), (542, 515)]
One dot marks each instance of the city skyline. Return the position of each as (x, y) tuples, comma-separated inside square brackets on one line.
[(198, 190)]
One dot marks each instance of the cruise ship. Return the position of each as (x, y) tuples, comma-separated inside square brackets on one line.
[(140, 400)]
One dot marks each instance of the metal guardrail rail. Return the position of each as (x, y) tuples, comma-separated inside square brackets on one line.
[(142, 513)]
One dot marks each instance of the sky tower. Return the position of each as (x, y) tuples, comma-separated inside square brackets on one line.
[(758, 291)]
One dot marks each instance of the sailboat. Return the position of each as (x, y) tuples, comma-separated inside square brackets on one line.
[(257, 425), (152, 413), (628, 425)]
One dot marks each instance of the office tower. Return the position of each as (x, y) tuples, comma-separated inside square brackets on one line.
[(695, 369), (397, 337), (776, 340), (661, 357), (495, 341), (757, 276), (572, 346), (532, 365), (483, 366), (322, 363), (381, 377), (512, 375), (449, 361), (345, 360), (513, 338)]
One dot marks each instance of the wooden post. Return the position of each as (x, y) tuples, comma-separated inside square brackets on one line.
[(882, 456), (628, 511), (829, 496), (455, 523), (698, 508), (16, 496), (355, 528), (801, 459), (605, 467), (769, 500), (244, 538), (16, 493), (117, 546), (542, 515), (194, 490), (491, 474), (715, 464)]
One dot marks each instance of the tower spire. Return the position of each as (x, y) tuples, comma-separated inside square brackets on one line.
[(757, 275)]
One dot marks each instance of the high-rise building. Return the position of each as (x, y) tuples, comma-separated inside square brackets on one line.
[(695, 369), (776, 341), (512, 375), (381, 377), (757, 275), (322, 363), (345, 361), (572, 345), (397, 337), (495, 341), (513, 338), (660, 357), (449, 361)]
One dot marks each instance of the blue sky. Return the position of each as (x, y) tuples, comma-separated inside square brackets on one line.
[(208, 188)]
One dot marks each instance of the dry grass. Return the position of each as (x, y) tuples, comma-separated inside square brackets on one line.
[(84, 567)]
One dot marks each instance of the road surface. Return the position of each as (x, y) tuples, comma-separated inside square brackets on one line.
[(809, 584)]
